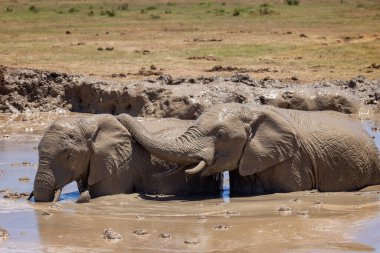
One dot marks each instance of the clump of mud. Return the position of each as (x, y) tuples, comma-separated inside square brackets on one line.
[(186, 98), (109, 234), (4, 235), (9, 194)]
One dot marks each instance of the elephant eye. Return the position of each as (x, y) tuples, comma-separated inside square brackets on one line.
[(221, 133), (69, 156)]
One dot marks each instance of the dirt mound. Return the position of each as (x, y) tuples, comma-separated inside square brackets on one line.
[(185, 98)]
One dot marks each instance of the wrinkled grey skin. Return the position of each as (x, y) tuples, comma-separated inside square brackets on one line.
[(99, 153), (273, 150)]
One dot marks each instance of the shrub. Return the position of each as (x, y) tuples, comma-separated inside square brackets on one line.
[(151, 8), (123, 7), (73, 10), (33, 8), (155, 17), (219, 11), (8, 9), (360, 5), (292, 2), (109, 13), (236, 12), (265, 9)]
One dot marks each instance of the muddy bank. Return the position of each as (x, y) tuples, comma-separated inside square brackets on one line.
[(36, 90)]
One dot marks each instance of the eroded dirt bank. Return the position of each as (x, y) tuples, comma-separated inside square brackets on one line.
[(36, 90)]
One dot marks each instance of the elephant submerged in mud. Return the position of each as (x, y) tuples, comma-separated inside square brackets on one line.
[(273, 150), (100, 154)]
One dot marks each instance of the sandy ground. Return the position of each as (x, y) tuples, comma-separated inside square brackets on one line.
[(318, 39), (293, 222)]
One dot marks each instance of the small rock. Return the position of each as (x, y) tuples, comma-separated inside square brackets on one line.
[(109, 48), (24, 179), (140, 232), (351, 84), (152, 67), (68, 32), (55, 206), (374, 66), (294, 78), (165, 236), (14, 195), (202, 219), (100, 49), (232, 213), (222, 227), (192, 241), (303, 213), (312, 192), (285, 211), (46, 213), (4, 235), (25, 163), (302, 35), (109, 234)]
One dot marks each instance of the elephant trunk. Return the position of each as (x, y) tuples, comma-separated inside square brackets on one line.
[(44, 185), (185, 149)]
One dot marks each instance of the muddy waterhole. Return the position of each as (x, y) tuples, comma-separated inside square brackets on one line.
[(293, 222)]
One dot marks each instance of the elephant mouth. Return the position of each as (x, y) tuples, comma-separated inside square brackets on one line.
[(57, 195), (191, 170)]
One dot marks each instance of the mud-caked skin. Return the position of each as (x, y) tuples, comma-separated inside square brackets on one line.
[(271, 149), (100, 154)]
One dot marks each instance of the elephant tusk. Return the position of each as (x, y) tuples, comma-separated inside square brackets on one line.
[(57, 194), (31, 195), (167, 173), (197, 168)]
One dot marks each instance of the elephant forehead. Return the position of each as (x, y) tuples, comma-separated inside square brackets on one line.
[(51, 140)]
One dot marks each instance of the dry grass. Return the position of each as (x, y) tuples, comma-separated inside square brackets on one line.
[(342, 38)]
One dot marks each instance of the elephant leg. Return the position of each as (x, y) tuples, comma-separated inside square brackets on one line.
[(84, 196)]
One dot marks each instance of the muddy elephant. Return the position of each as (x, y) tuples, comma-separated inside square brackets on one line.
[(100, 154), (275, 150)]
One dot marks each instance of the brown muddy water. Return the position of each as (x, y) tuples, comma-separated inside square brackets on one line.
[(294, 222)]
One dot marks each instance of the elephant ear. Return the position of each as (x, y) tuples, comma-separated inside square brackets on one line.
[(111, 147), (272, 140)]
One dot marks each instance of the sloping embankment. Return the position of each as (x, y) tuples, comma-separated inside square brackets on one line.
[(37, 90)]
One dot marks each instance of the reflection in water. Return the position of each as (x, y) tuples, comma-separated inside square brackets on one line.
[(294, 222), (225, 187)]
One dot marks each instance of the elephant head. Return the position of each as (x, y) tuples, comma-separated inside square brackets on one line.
[(224, 138), (82, 149)]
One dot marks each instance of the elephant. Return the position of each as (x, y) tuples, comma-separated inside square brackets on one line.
[(101, 156), (271, 149)]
